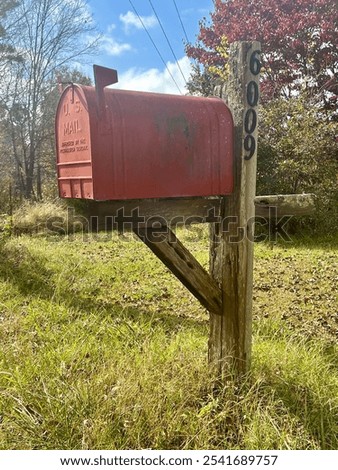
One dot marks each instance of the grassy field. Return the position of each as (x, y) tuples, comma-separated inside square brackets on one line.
[(102, 348)]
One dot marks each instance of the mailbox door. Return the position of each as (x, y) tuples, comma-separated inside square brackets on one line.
[(73, 145)]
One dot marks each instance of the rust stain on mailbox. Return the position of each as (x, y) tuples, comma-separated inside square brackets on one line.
[(115, 144)]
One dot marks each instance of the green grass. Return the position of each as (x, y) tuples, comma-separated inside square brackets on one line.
[(102, 348)]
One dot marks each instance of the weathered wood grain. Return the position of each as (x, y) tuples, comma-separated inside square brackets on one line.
[(150, 212), (285, 204), (167, 247), (231, 251), (185, 211)]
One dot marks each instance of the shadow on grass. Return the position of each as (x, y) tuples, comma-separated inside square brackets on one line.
[(27, 272), (30, 275)]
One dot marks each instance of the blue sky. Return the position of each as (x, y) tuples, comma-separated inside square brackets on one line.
[(127, 47)]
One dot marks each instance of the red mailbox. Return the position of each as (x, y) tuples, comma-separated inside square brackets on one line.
[(115, 144)]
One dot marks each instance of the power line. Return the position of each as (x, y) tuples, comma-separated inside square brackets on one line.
[(153, 43), (165, 35), (180, 18)]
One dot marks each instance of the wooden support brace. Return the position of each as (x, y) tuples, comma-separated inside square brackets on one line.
[(166, 246)]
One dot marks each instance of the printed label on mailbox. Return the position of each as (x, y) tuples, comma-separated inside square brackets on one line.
[(73, 146)]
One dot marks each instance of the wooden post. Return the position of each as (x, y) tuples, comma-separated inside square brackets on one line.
[(231, 242)]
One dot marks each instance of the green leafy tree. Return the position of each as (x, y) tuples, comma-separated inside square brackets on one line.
[(298, 154), (297, 149)]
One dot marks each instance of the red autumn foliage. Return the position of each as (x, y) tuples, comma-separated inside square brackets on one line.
[(298, 37)]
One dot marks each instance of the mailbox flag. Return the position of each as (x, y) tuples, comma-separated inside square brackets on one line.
[(104, 77)]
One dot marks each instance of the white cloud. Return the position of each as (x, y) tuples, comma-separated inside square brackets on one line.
[(204, 11), (155, 80), (111, 28), (113, 47), (130, 20), (190, 11)]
